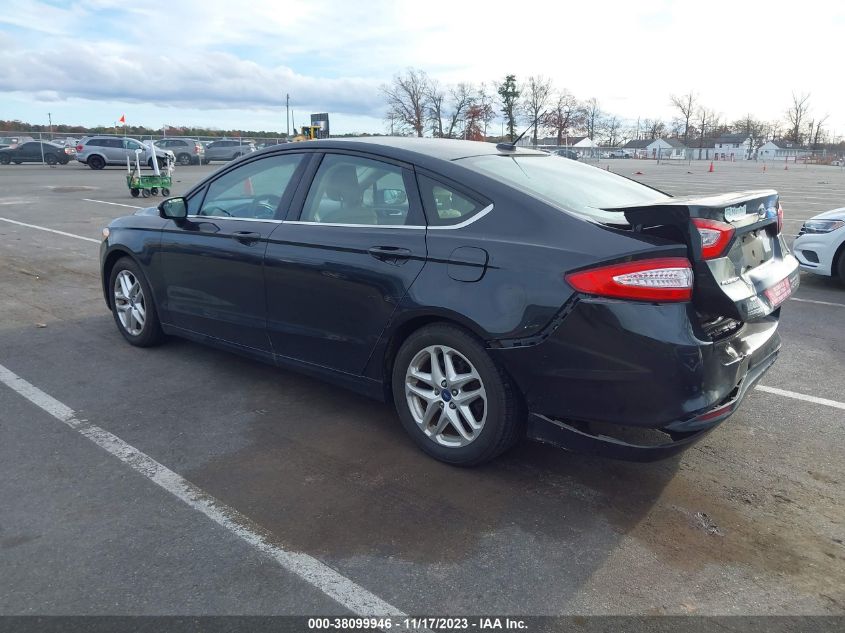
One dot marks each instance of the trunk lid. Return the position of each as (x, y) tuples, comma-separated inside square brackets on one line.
[(755, 272)]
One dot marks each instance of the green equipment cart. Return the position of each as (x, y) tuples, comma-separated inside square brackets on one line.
[(148, 185)]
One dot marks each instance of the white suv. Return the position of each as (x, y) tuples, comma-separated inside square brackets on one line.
[(820, 245), (99, 151)]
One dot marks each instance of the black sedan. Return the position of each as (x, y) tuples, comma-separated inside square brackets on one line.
[(488, 292), (36, 152)]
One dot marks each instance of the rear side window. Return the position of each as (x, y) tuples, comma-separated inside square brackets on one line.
[(445, 205)]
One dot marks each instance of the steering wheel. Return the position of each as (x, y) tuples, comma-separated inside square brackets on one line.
[(265, 206)]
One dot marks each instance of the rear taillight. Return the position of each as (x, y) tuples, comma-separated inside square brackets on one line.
[(663, 279), (79, 148), (780, 219), (715, 236)]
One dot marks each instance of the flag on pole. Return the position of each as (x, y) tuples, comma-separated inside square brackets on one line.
[(122, 119)]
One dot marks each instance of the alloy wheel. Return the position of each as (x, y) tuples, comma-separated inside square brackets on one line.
[(129, 302), (446, 396)]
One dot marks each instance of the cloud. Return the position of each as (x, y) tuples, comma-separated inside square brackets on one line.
[(201, 80)]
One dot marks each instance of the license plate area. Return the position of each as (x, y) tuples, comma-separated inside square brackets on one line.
[(779, 293)]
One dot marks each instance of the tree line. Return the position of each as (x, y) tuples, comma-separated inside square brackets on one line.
[(419, 105)]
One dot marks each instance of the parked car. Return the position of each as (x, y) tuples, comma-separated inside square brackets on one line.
[(566, 153), (31, 152), (188, 151), (11, 141), (227, 149), (99, 151), (820, 245), (489, 292), (618, 153)]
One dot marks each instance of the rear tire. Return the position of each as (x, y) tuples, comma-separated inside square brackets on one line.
[(184, 159), (236, 156), (51, 159), (129, 310), (18, 162), (4, 159), (96, 162), (479, 397)]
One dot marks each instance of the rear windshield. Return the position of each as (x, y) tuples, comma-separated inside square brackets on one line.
[(565, 183)]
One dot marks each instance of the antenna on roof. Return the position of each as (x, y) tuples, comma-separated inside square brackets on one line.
[(510, 147)]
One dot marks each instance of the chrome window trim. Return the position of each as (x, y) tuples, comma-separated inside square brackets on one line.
[(450, 227), (467, 222), (228, 217), (356, 226)]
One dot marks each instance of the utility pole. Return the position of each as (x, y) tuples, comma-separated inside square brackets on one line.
[(50, 118), (287, 113)]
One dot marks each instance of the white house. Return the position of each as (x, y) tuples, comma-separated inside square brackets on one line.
[(781, 150), (734, 147), (663, 148)]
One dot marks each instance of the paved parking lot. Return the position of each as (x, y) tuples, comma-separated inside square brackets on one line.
[(307, 499)]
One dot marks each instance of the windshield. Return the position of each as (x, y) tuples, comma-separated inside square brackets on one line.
[(565, 183)]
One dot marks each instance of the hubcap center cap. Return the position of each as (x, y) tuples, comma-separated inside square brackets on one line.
[(445, 395)]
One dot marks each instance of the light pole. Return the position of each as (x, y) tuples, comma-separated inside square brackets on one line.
[(287, 113), (50, 119)]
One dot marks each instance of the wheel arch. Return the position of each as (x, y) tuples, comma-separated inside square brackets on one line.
[(116, 253), (837, 258), (404, 327)]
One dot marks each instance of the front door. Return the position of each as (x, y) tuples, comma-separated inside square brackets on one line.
[(213, 261), (336, 275)]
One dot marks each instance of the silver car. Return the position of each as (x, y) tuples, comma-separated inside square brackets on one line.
[(99, 151), (227, 149), (188, 151)]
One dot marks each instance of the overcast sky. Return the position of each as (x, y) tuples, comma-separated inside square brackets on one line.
[(229, 64)]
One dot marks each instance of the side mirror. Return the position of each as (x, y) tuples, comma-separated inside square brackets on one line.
[(393, 196), (173, 209)]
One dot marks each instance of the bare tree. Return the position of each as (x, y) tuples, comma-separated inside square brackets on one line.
[(704, 119), (592, 117), (406, 99), (460, 98), (509, 98), (434, 107), (611, 128), (486, 102), (796, 115), (653, 128), (536, 97), (563, 115), (817, 135), (685, 104)]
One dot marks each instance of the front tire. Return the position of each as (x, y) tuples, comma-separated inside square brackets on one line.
[(50, 159), (132, 304), (453, 399), (184, 159)]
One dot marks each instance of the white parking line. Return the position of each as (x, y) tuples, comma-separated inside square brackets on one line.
[(330, 582), (821, 303), (44, 228), (116, 204), (801, 396)]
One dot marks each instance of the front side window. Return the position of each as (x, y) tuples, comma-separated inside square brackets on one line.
[(357, 190), (132, 145), (253, 190)]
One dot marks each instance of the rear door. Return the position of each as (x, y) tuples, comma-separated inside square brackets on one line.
[(213, 262), (336, 273)]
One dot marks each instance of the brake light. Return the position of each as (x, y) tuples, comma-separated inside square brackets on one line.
[(715, 236), (663, 279), (79, 148), (780, 219)]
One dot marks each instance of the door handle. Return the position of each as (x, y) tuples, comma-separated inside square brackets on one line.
[(391, 254), (246, 237)]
